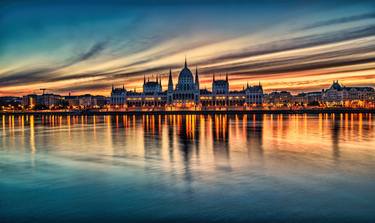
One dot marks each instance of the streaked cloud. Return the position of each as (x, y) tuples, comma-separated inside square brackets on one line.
[(340, 20), (100, 48)]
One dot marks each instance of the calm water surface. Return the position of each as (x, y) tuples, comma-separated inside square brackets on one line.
[(246, 168)]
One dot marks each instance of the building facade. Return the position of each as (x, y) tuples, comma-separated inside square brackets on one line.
[(186, 93), (44, 100), (339, 95)]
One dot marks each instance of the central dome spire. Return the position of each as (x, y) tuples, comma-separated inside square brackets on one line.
[(185, 79)]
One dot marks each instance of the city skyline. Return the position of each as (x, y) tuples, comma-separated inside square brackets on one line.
[(186, 94), (83, 48)]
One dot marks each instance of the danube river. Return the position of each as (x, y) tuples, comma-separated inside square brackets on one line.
[(188, 168)]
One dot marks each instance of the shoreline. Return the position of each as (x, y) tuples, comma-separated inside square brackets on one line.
[(196, 112)]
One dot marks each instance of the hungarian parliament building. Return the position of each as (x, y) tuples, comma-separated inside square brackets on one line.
[(186, 93)]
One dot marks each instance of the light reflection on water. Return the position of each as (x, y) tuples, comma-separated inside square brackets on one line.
[(188, 167)]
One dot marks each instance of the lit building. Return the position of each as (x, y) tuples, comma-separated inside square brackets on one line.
[(279, 98), (186, 93), (152, 87), (187, 90), (86, 101), (50, 100), (308, 98), (10, 102), (29, 100), (118, 96), (44, 100), (339, 95)]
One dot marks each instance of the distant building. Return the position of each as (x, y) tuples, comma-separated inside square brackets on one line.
[(308, 98), (339, 95), (279, 98), (90, 101), (49, 100), (86, 101), (72, 101), (10, 102), (118, 96), (42, 101), (314, 97), (152, 87), (30, 100), (220, 86), (186, 93)]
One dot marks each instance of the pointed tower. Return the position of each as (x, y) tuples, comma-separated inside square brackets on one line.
[(197, 90), (144, 79), (196, 78), (226, 77), (185, 62), (170, 88), (170, 82), (159, 83)]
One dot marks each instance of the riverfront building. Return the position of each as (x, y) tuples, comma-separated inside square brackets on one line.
[(44, 100), (339, 95), (186, 93)]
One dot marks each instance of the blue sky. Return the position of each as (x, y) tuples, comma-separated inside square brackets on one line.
[(86, 46)]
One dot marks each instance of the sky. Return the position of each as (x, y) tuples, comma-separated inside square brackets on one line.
[(86, 46)]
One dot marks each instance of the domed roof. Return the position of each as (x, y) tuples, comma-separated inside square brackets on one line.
[(185, 80), (186, 74), (335, 85)]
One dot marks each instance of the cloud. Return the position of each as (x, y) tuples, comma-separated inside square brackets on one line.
[(25, 76), (45, 74), (249, 56), (95, 50), (84, 87), (300, 42), (341, 20), (270, 63), (308, 61)]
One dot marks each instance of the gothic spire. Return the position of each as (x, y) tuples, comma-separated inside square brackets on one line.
[(226, 77), (196, 77), (170, 81), (185, 62)]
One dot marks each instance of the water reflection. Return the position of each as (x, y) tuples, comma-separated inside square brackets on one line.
[(219, 133), (159, 163)]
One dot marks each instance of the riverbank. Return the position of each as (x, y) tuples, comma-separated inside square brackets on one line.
[(195, 112)]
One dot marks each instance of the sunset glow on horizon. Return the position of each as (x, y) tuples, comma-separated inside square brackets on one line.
[(85, 48)]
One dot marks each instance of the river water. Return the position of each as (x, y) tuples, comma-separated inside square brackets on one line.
[(188, 168)]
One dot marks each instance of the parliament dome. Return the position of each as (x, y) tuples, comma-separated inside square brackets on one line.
[(185, 79)]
